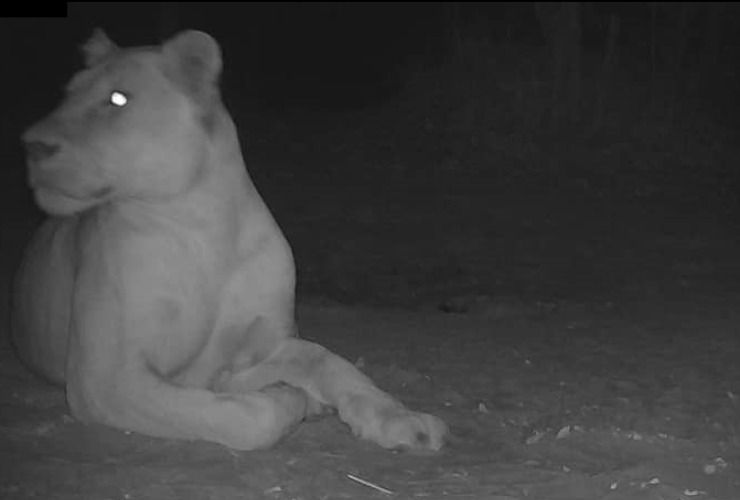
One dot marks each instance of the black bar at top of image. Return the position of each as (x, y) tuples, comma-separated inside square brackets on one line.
[(30, 10)]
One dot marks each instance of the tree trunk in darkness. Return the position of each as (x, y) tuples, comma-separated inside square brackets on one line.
[(713, 34), (607, 69), (561, 26), (169, 19)]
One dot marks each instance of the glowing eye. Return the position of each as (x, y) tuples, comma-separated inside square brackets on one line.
[(118, 99)]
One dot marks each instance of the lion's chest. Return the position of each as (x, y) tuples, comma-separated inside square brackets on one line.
[(157, 295)]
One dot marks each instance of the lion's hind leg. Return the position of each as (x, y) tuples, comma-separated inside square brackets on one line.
[(331, 380)]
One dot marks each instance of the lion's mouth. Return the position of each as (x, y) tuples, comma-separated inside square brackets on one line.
[(57, 201), (45, 187)]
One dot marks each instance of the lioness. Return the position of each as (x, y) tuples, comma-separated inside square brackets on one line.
[(161, 291)]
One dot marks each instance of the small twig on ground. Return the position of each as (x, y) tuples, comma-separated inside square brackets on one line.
[(369, 484)]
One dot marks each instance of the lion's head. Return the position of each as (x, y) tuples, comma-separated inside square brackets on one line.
[(133, 124)]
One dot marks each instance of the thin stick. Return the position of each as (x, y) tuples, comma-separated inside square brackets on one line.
[(369, 484)]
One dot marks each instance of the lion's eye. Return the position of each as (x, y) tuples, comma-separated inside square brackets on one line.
[(118, 99)]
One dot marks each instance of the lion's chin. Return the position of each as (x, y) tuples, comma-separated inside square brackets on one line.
[(56, 203)]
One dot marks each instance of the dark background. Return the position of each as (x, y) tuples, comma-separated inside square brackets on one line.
[(418, 153)]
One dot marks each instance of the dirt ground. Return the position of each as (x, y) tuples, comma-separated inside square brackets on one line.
[(579, 348)]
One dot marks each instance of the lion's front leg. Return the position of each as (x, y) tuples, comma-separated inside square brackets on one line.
[(141, 401), (117, 372), (331, 380)]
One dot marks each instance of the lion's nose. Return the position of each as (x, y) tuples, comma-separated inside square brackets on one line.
[(37, 151)]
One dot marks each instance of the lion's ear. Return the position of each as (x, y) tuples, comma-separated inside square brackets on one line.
[(194, 58), (98, 47)]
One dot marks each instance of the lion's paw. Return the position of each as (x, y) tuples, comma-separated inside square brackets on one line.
[(412, 431), (391, 425)]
